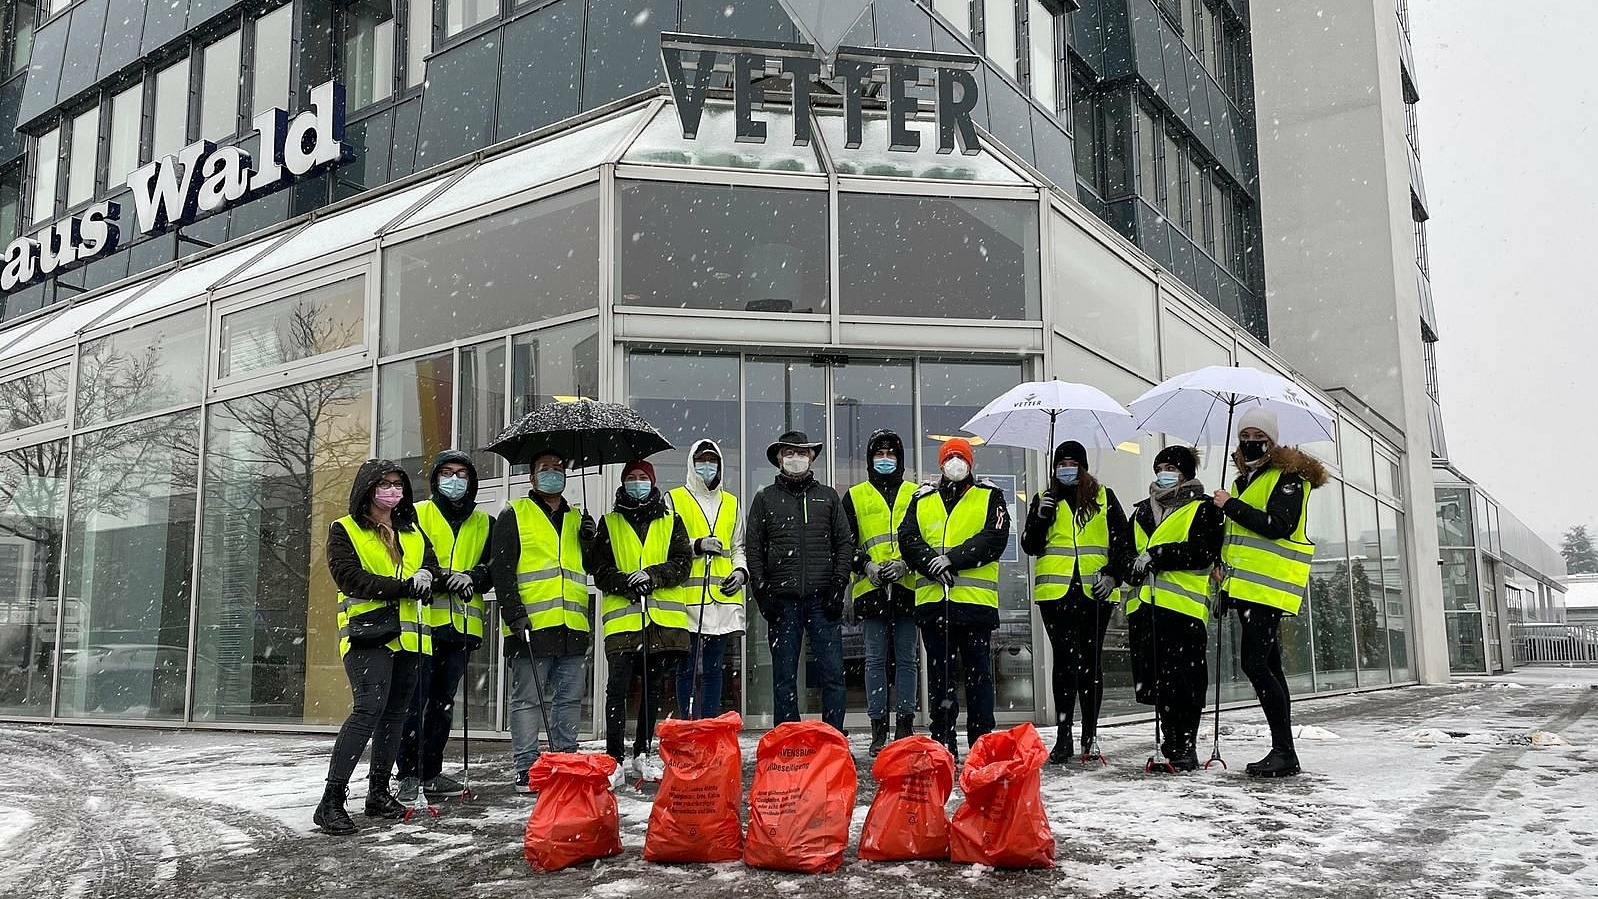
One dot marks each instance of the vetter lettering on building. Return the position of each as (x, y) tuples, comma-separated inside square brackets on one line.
[(198, 180)]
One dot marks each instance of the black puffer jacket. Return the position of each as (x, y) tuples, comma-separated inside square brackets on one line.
[(797, 540)]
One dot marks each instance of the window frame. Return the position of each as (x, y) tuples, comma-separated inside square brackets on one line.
[(44, 432), (69, 145), (1058, 41), (343, 14), (199, 50), (33, 218), (8, 36)]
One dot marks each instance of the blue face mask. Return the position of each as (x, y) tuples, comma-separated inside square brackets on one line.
[(885, 466), (1065, 475), (707, 471), (1165, 480), (551, 482), (638, 489), (454, 486)]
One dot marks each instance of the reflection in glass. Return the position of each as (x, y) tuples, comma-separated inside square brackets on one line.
[(272, 54), (703, 246), (715, 146), (1395, 592), (34, 399), (278, 472), (368, 61), (415, 404), (482, 401), (154, 366), (1454, 528), (131, 520), (46, 165), (33, 484), (82, 156), (1366, 553), (938, 257), (1329, 595), (219, 99), (171, 129), (320, 320), (122, 156), (1355, 453), (875, 159), (555, 365)]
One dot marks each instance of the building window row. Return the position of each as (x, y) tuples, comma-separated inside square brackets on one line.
[(1422, 254), (383, 47), (1412, 127), (1216, 37), (17, 21), (1191, 190), (1022, 37)]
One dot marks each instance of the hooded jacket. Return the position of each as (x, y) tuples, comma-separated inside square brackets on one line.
[(609, 578), (1279, 518), (987, 546), (894, 600), (351, 578), (457, 511), (719, 618)]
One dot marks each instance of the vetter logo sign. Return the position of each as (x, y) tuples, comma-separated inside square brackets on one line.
[(198, 180)]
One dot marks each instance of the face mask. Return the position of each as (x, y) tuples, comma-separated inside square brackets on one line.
[(1065, 475), (956, 469), (638, 489), (1252, 450), (796, 464), (885, 466), (1165, 480), (707, 471), (388, 497), (453, 487), (551, 483)]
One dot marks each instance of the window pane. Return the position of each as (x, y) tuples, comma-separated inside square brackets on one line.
[(556, 365), (33, 400), (1045, 54), (1117, 143), (368, 62), (19, 26), (1192, 172), (958, 12), (131, 528), (419, 42), (278, 473), (46, 159), (219, 114), (1103, 299), (1395, 592), (700, 246), (273, 49), (460, 15), (1172, 162), (33, 487), (999, 26), (482, 414), (83, 157), (318, 321), (415, 405), (127, 109), (1148, 143), (512, 268), (938, 257), (1088, 142), (1365, 553), (1354, 448), (154, 366), (1330, 594), (171, 109), (10, 202)]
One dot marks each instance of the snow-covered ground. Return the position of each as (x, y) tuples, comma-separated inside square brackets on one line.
[(1479, 788)]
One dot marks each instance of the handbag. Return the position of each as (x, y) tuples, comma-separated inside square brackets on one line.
[(377, 626)]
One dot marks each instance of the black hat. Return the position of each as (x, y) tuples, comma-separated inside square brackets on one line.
[(1073, 451), (791, 438), (1182, 457)]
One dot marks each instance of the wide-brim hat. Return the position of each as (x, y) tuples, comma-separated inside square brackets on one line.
[(791, 438)]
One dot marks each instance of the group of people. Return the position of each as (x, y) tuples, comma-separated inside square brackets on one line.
[(673, 566)]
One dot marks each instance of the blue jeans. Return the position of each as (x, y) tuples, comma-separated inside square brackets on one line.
[(565, 677), (432, 712), (901, 632), (802, 618), (711, 651)]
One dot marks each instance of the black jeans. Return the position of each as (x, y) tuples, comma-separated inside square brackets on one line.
[(432, 710), (1171, 671), (658, 683), (381, 683), (1076, 624), (1262, 662), (973, 649)]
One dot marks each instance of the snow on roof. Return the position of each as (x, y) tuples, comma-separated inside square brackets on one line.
[(1581, 591)]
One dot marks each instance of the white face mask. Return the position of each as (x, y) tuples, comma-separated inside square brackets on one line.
[(955, 469), (796, 464)]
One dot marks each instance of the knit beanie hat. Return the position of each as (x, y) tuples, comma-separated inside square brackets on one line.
[(957, 446), (1184, 458), (1263, 419), (639, 465), (1073, 451)]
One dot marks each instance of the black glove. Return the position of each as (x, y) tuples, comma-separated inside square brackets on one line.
[(832, 605), (421, 584), (588, 530), (708, 546), (771, 610), (641, 582), (1103, 586), (734, 582), (1046, 506)]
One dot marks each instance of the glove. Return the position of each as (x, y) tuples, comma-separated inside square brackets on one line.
[(734, 582), (588, 530), (832, 605), (771, 610), (640, 581), (874, 574), (1142, 565), (1104, 586), (526, 633), (938, 566), (1046, 506), (421, 584), (458, 582), (893, 570), (708, 546)]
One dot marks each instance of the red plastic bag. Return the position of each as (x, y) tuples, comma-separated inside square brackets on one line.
[(695, 815), (575, 819), (907, 819), (1002, 823), (802, 799)]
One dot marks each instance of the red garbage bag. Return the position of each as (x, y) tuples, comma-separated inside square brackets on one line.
[(695, 815), (907, 819), (1002, 823), (575, 819), (802, 799)]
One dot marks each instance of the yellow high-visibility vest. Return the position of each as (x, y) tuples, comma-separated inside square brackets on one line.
[(942, 529), (1272, 573), (1180, 591), (551, 579), (622, 615), (1072, 550), (693, 520), (415, 636), (458, 552), (879, 530)]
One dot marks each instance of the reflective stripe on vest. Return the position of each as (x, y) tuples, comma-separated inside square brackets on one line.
[(879, 530), (457, 552), (1272, 573), (1180, 591), (550, 577), (1072, 550), (620, 614), (415, 635), (693, 520), (941, 529)]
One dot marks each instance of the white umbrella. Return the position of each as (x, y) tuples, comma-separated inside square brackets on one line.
[(1028, 416), (1199, 407)]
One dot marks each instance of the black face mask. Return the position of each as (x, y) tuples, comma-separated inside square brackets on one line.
[(1252, 450)]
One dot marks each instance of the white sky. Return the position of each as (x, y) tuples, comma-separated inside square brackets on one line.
[(1507, 145)]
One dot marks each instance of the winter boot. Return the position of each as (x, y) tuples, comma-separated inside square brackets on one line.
[(408, 788), (330, 814), (1280, 763), (380, 803), (1186, 756), (442, 785), (1061, 753), (879, 736), (904, 726)]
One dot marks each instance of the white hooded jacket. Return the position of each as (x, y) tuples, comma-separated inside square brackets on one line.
[(720, 618)]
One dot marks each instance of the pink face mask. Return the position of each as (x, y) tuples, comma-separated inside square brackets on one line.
[(388, 497)]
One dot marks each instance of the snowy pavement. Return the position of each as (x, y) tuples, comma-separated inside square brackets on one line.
[(1480, 788)]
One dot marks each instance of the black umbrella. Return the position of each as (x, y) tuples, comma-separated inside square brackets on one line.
[(583, 432)]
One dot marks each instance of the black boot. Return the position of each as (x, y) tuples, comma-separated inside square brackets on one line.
[(330, 814), (1061, 753), (380, 803), (1186, 756), (879, 736), (904, 726), (1280, 763)]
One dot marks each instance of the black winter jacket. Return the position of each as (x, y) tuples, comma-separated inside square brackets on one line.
[(551, 641), (797, 540), (987, 546), (349, 575), (1201, 551)]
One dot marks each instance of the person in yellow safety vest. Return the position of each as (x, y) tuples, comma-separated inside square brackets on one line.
[(460, 537), (884, 590), (953, 538), (1265, 565), (1084, 550), (714, 591), (541, 549), (1178, 538), (642, 559), (384, 569)]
